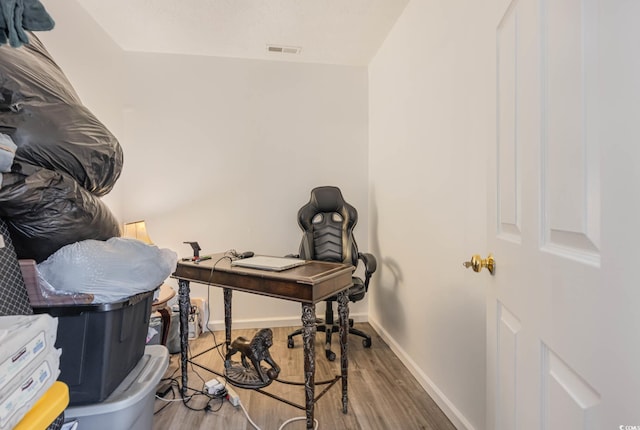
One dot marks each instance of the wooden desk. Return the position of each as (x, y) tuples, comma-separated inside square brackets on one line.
[(307, 284)]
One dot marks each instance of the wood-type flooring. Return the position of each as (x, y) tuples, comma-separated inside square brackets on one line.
[(382, 392)]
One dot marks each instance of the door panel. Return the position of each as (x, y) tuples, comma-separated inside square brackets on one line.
[(508, 172), (568, 400), (544, 220), (570, 168), (508, 329)]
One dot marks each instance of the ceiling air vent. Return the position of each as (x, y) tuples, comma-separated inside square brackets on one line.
[(280, 49)]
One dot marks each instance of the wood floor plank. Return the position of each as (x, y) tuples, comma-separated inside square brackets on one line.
[(382, 392)]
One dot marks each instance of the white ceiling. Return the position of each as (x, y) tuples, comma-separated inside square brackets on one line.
[(345, 32)]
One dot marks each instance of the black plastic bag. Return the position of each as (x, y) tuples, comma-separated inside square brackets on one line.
[(65, 157), (44, 116), (46, 210)]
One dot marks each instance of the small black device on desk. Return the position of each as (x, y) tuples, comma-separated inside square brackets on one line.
[(196, 253)]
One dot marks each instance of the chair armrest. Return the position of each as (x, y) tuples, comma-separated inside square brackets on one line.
[(370, 262), (370, 266)]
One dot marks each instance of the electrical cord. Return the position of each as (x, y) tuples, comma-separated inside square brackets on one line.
[(207, 408), (173, 399), (186, 399), (162, 399), (231, 254), (284, 424), (289, 421), (213, 334), (255, 426)]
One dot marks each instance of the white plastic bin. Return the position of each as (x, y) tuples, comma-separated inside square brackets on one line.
[(130, 406), (25, 340)]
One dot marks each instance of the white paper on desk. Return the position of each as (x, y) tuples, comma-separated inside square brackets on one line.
[(264, 262)]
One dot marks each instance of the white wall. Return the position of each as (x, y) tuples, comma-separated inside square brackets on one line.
[(221, 151), (431, 109), (225, 151)]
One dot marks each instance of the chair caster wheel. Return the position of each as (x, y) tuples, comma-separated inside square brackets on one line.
[(290, 343), (331, 356), (366, 343)]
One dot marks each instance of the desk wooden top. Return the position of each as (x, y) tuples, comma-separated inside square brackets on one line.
[(312, 282)]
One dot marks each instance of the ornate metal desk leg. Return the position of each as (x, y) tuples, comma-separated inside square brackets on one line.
[(343, 312), (309, 340), (184, 303), (228, 292)]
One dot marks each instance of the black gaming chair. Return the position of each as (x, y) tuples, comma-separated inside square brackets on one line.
[(327, 222)]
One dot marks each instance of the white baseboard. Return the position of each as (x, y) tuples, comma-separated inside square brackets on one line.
[(217, 325), (454, 415)]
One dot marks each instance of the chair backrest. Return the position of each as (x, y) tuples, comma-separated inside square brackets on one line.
[(327, 222)]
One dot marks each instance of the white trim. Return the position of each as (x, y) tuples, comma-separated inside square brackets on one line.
[(454, 415), (218, 325)]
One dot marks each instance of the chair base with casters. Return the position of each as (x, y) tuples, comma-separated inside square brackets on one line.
[(328, 326)]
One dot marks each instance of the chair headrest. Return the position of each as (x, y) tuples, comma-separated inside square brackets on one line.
[(327, 199)]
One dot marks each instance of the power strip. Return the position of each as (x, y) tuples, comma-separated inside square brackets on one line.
[(232, 396), (214, 387)]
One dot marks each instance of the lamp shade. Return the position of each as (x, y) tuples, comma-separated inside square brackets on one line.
[(137, 230)]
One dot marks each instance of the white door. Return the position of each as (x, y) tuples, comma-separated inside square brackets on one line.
[(563, 309)]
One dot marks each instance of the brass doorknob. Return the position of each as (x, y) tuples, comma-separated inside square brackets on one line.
[(477, 263)]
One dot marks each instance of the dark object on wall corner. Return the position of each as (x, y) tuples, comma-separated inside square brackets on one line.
[(16, 16), (65, 158)]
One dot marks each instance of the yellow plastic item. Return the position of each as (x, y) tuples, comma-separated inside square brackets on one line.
[(47, 408)]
